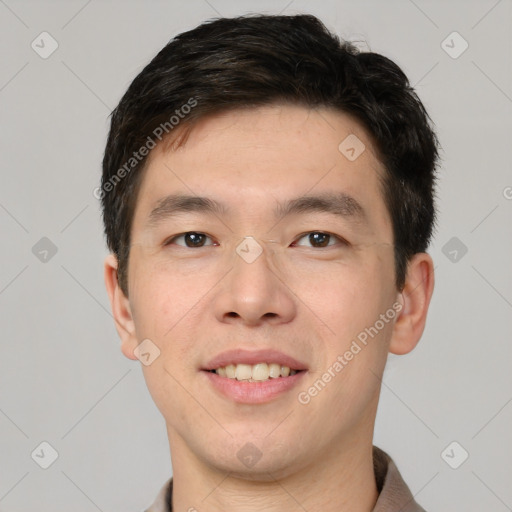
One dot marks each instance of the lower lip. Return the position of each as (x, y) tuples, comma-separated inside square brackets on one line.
[(253, 392)]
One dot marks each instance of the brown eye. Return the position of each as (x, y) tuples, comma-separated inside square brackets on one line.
[(191, 239), (194, 239), (317, 239)]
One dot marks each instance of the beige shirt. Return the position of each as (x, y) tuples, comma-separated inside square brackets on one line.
[(394, 495)]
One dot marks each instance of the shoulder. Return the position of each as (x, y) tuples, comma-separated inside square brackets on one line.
[(393, 491), (160, 504)]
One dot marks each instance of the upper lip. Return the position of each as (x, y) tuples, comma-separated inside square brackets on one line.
[(240, 356)]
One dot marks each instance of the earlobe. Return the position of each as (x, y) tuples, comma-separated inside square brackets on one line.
[(120, 306), (415, 300)]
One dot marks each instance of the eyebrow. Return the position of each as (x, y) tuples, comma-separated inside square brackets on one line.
[(340, 204), (177, 204)]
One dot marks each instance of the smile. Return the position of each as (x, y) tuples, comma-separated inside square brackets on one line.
[(253, 376), (259, 372)]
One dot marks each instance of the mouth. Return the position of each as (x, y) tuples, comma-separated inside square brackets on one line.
[(253, 377), (259, 372)]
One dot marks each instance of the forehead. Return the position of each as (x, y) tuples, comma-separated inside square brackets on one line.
[(253, 157)]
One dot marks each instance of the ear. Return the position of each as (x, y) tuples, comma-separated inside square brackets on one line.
[(415, 300), (120, 306)]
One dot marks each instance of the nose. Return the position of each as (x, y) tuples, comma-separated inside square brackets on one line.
[(254, 294)]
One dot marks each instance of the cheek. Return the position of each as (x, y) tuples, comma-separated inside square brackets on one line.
[(345, 390), (348, 304), (344, 299), (163, 383), (167, 308), (164, 296)]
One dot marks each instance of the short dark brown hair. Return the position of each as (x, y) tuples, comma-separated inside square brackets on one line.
[(254, 60)]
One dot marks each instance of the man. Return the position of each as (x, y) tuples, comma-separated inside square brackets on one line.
[(268, 201)]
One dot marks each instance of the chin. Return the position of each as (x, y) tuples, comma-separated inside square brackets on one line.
[(255, 461)]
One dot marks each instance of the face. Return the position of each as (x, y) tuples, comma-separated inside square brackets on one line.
[(286, 261)]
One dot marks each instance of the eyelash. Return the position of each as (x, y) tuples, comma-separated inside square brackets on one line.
[(332, 235), (172, 239), (338, 238)]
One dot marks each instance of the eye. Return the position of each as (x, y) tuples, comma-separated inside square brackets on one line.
[(318, 239), (190, 239)]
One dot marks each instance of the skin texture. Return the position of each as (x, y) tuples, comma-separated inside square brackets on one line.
[(308, 302)]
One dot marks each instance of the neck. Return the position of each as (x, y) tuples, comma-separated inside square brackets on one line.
[(339, 479)]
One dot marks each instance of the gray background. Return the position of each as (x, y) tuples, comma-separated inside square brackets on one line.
[(63, 379)]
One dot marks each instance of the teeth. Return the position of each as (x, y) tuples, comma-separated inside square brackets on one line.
[(243, 371), (254, 373), (260, 372), (274, 370), (230, 371)]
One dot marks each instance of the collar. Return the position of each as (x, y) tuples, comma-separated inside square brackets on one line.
[(394, 494)]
